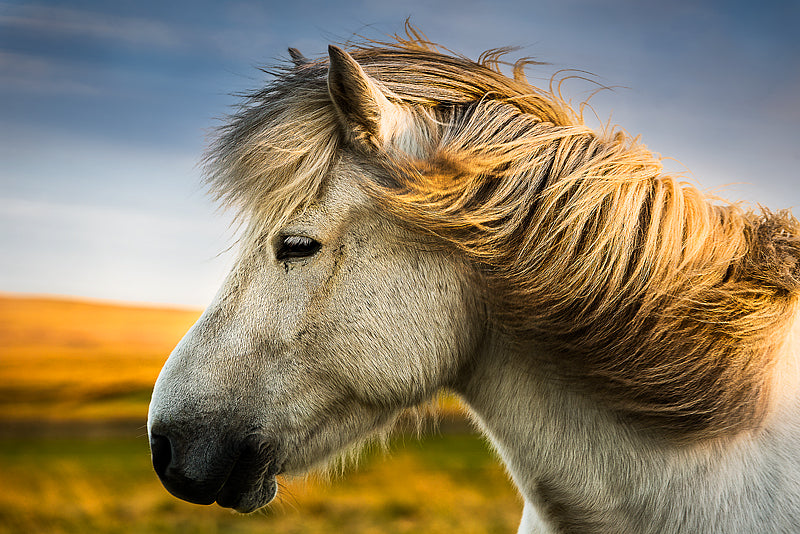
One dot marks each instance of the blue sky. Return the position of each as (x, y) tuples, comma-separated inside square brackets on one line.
[(105, 108)]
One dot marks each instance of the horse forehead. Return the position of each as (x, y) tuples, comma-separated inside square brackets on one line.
[(338, 199), (343, 185)]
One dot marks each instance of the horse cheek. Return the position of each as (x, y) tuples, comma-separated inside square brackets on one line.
[(403, 328)]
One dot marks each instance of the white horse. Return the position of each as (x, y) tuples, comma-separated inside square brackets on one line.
[(417, 222)]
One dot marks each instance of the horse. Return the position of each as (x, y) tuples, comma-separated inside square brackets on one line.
[(414, 222)]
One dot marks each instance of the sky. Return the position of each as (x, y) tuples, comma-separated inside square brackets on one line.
[(106, 108)]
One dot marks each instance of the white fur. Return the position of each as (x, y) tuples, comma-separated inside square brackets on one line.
[(321, 353), (313, 356), (625, 480)]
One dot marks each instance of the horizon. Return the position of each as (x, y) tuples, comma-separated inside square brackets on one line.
[(106, 108), (78, 299)]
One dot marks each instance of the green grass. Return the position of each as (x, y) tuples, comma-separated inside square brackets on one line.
[(441, 484)]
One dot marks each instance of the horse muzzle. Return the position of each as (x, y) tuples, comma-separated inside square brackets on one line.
[(241, 476)]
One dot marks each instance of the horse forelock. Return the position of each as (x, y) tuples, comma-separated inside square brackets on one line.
[(667, 306)]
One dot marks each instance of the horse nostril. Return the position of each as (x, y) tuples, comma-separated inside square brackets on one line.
[(161, 451), (171, 462)]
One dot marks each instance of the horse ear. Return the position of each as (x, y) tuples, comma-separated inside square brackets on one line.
[(297, 57), (363, 110)]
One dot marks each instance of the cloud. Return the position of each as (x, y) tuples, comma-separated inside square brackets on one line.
[(130, 30), (26, 73)]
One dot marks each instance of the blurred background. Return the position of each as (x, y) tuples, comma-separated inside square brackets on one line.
[(110, 248)]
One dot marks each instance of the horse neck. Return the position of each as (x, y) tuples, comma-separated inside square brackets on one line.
[(580, 469)]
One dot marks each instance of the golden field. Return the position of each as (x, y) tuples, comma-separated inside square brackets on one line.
[(68, 359), (75, 381)]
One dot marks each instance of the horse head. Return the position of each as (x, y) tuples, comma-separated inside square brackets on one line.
[(329, 325)]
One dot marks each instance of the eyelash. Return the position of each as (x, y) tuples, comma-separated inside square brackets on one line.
[(296, 247)]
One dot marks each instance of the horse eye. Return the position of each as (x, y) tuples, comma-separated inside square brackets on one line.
[(296, 247)]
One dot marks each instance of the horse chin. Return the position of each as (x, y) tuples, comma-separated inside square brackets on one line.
[(248, 499), (251, 482)]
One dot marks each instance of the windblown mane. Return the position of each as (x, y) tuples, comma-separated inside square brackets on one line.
[(665, 305)]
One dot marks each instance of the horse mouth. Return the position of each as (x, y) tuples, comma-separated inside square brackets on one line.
[(249, 497), (251, 482)]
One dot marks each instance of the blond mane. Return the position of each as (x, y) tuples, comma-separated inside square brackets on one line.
[(665, 305)]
